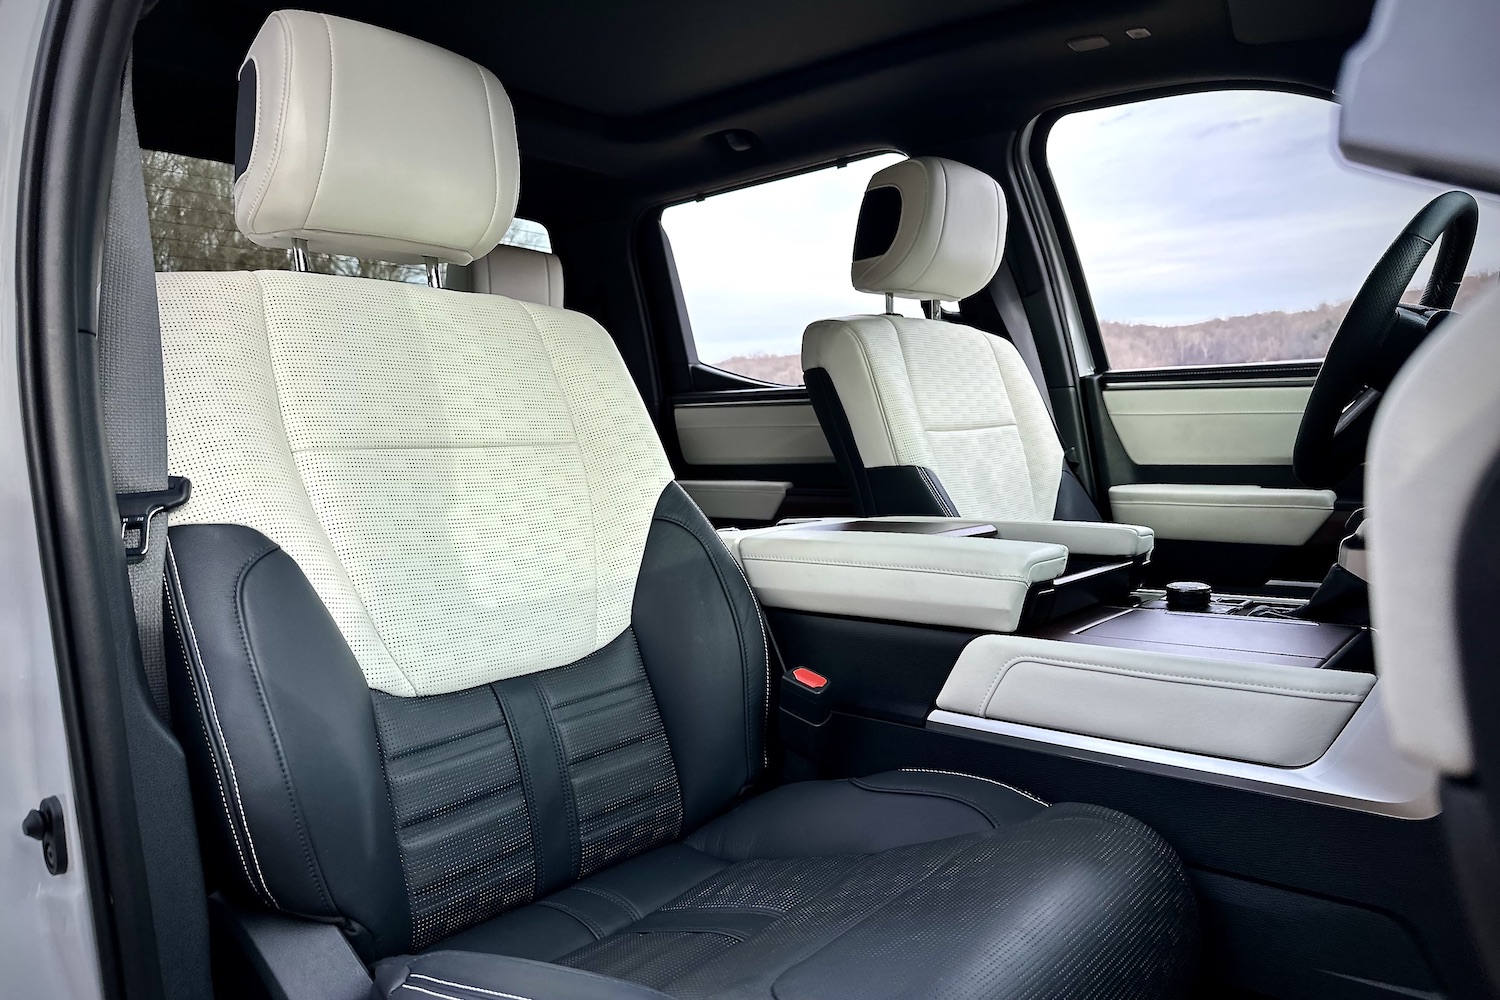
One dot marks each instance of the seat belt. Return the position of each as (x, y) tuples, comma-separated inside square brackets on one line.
[(1007, 300), (134, 396)]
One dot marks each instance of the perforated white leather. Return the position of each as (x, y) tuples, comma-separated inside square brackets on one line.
[(466, 480), (948, 397), (374, 144)]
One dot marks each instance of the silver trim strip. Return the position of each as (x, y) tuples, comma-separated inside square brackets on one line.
[(1362, 770)]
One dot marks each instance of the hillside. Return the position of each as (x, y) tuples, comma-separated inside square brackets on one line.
[(1260, 337)]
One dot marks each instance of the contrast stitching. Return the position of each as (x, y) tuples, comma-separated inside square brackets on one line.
[(308, 856), (464, 986), (754, 602), (930, 793), (224, 743), (431, 993), (975, 777), (939, 495), (234, 832)]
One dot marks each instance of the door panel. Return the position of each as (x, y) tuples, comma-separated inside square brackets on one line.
[(1247, 515), (751, 433), (1196, 423), (1204, 458), (756, 460)]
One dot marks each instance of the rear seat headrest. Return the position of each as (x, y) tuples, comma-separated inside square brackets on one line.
[(519, 273), (366, 142), (929, 228)]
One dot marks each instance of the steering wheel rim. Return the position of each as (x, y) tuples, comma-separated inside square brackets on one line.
[(1377, 335)]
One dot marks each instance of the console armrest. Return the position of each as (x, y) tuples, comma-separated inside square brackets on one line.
[(1282, 715), (1100, 539), (977, 583)]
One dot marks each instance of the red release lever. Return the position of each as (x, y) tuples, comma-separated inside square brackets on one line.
[(809, 678)]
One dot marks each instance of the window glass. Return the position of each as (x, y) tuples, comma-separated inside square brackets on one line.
[(191, 205), (759, 264), (1225, 228)]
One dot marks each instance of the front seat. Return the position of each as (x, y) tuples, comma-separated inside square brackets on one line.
[(461, 672), (926, 416)]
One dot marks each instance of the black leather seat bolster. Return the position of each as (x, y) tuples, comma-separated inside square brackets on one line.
[(891, 489), (466, 975), (276, 722)]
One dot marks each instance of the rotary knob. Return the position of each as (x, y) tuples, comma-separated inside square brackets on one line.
[(1188, 596)]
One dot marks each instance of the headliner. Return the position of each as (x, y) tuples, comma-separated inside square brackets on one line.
[(639, 92)]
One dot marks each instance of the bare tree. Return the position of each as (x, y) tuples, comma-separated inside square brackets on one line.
[(191, 205)]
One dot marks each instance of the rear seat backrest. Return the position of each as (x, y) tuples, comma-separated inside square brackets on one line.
[(520, 273), (427, 590)]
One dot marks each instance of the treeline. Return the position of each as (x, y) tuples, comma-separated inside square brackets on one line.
[(1256, 338)]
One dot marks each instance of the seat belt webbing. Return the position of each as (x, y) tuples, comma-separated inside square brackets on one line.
[(1007, 299), (134, 398)]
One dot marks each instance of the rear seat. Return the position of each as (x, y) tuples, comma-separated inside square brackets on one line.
[(462, 672), (516, 272)]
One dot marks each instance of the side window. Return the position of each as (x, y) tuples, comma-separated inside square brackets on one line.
[(1224, 228), (759, 264), (191, 206)]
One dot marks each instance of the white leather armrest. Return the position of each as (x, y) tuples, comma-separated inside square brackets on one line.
[(1213, 513), (977, 583), (1086, 538), (1286, 716)]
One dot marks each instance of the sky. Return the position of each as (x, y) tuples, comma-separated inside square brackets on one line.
[(1183, 209)]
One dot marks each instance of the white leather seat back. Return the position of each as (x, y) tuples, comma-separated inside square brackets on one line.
[(520, 273), (466, 480), (930, 395), (948, 398)]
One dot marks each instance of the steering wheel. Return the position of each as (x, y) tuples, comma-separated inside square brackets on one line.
[(1378, 335)]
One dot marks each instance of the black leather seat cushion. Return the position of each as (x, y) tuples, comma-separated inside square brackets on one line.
[(904, 884)]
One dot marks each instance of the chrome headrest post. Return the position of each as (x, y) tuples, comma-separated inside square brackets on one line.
[(434, 275), (890, 304), (299, 256)]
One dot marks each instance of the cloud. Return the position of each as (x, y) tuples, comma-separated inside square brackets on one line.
[(759, 264), (1226, 203), (1183, 209)]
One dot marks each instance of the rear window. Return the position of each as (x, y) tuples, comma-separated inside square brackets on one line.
[(191, 203), (759, 264)]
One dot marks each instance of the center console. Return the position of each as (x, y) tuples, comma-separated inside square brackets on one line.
[(1064, 641)]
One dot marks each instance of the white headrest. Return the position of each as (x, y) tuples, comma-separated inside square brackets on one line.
[(365, 142), (519, 273), (929, 228)]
